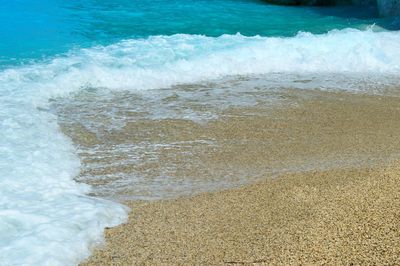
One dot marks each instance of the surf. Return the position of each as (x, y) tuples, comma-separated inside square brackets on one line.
[(43, 210)]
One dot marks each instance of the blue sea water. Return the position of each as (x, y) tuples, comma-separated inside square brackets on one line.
[(33, 29), (52, 48)]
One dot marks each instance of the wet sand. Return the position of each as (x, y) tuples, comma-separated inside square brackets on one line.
[(167, 158), (325, 186)]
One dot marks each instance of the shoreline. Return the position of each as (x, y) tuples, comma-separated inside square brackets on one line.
[(335, 201)]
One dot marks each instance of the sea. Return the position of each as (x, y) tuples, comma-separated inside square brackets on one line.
[(57, 53)]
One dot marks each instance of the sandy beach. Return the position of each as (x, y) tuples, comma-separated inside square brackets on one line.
[(333, 199), (204, 132), (345, 217)]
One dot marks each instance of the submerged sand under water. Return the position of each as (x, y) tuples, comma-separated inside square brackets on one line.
[(128, 155), (333, 201)]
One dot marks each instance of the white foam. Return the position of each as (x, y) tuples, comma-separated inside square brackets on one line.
[(45, 217)]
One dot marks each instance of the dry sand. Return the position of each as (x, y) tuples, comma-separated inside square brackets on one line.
[(335, 217), (345, 212)]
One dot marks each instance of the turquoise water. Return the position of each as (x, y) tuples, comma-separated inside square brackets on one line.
[(52, 49), (33, 29)]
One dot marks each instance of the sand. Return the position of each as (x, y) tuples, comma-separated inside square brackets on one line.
[(347, 217), (334, 198)]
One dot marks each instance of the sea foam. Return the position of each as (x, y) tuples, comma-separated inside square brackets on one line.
[(45, 216)]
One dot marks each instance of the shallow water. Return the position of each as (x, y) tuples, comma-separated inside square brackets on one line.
[(216, 135)]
